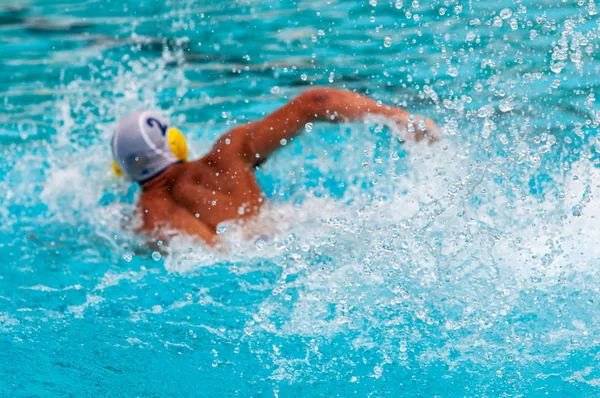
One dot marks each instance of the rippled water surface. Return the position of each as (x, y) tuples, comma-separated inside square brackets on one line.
[(469, 268)]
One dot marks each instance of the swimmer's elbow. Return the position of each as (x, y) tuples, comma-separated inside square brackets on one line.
[(317, 96), (314, 100)]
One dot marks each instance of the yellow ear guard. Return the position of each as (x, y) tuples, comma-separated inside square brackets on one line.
[(116, 169), (177, 144)]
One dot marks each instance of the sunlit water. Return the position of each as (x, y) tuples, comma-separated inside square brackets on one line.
[(467, 268)]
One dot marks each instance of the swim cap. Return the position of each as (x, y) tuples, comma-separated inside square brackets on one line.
[(144, 145)]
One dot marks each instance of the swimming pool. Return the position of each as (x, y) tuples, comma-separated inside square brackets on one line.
[(469, 268)]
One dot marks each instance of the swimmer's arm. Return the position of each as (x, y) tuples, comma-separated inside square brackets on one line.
[(257, 140), (162, 216)]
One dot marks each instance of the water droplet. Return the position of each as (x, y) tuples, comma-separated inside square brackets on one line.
[(505, 13), (507, 105), (398, 4), (156, 256), (303, 77), (557, 67), (227, 141), (387, 42), (485, 111), (308, 127), (283, 142), (157, 309)]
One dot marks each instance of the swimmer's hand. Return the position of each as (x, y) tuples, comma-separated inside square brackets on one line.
[(417, 128)]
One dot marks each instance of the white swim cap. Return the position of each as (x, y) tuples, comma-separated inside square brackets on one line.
[(144, 145)]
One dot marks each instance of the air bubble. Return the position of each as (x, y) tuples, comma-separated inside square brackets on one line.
[(156, 256), (387, 42)]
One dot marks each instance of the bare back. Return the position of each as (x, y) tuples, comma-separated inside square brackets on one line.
[(202, 194)]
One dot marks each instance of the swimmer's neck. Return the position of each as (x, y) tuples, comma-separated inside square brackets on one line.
[(164, 180)]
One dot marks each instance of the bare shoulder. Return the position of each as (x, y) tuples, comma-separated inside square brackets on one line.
[(230, 150), (154, 209)]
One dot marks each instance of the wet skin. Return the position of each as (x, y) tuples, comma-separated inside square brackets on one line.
[(194, 197)]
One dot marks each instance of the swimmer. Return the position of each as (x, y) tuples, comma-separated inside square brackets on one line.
[(194, 197)]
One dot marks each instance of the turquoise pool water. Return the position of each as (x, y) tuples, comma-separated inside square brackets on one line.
[(466, 269)]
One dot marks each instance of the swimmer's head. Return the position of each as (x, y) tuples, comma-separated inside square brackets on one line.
[(144, 145)]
